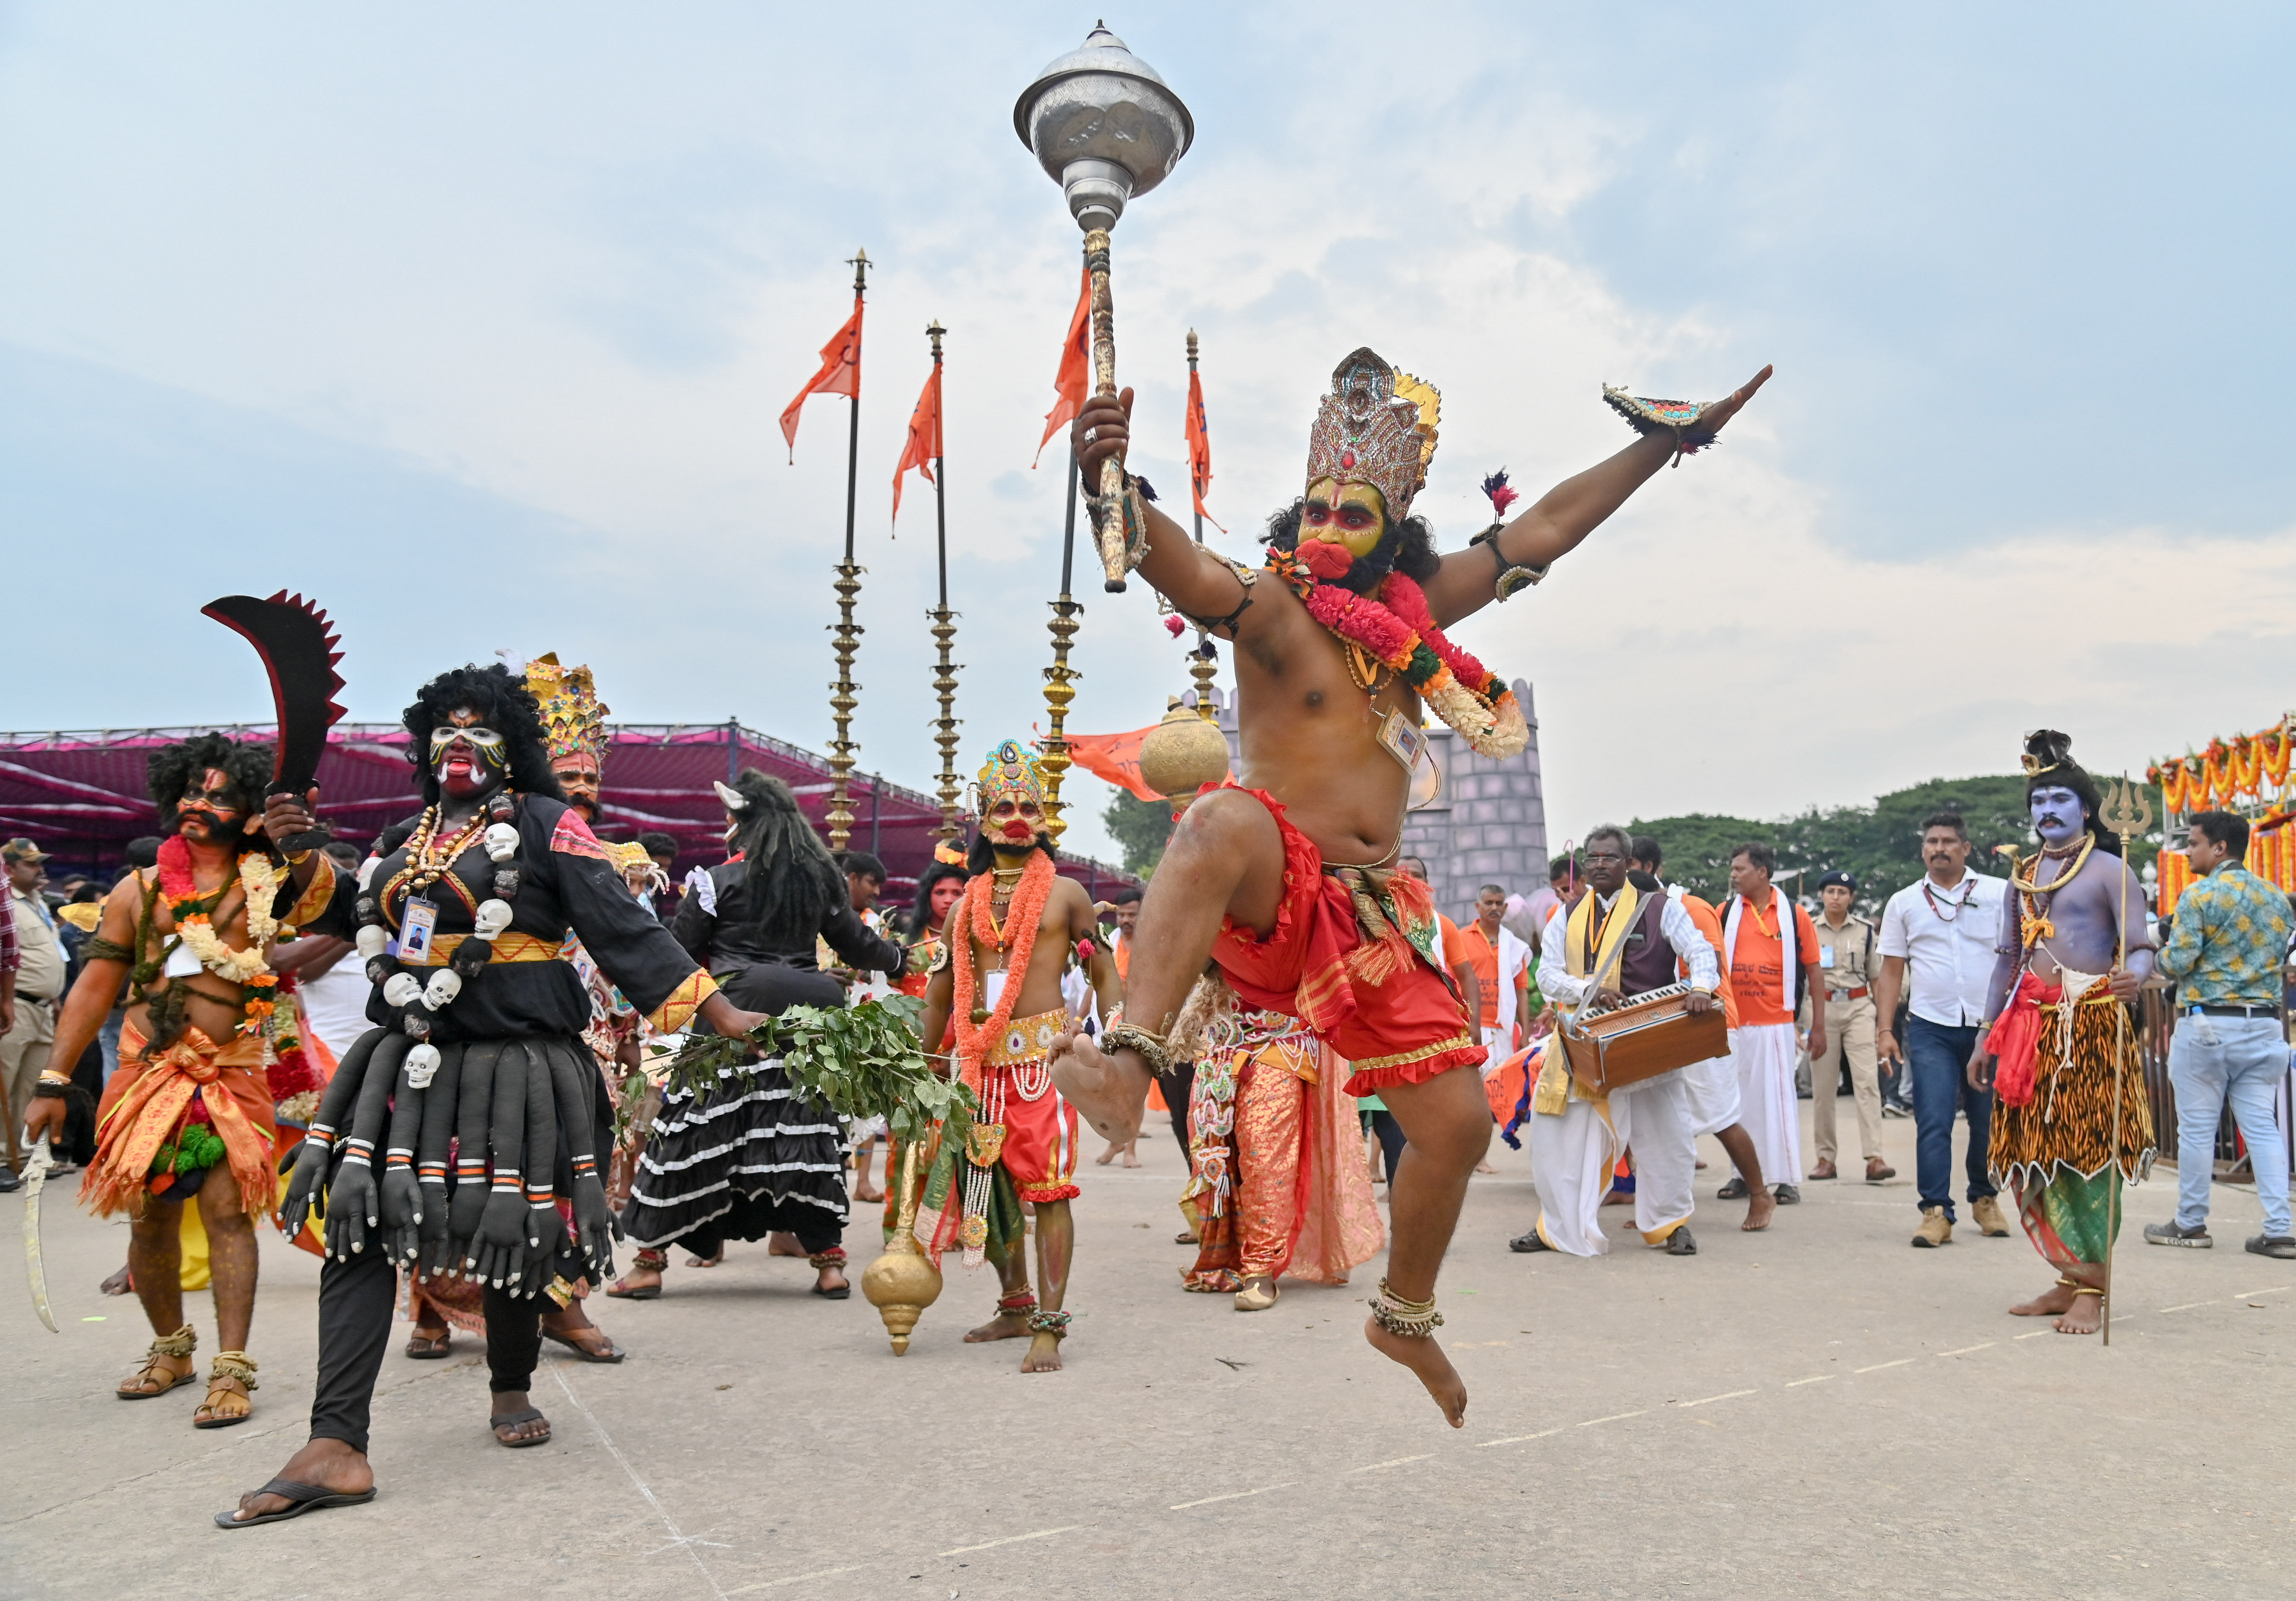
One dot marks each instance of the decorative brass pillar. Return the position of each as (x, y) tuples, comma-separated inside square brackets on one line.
[(944, 628), (1059, 677), (843, 697)]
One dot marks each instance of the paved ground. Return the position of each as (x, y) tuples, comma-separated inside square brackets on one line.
[(1818, 1411)]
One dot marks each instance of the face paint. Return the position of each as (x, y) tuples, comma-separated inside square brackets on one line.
[(2058, 815), (210, 809), (579, 778), (468, 758), (1014, 825)]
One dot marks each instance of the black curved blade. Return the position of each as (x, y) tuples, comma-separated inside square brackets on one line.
[(298, 647)]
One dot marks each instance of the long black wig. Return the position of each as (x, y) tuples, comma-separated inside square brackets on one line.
[(170, 769), (794, 883)]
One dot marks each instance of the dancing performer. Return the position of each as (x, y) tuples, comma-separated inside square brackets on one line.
[(1274, 1180), (1283, 878), (1642, 940), (1772, 951), (998, 994), (751, 1159), (2073, 952), (190, 1114), (476, 1071)]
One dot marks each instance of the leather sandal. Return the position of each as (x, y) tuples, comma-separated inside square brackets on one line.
[(183, 1342), (423, 1348), (230, 1373)]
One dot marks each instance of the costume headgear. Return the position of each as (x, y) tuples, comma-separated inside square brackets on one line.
[(2047, 751), (1011, 771), (1376, 427), (573, 718)]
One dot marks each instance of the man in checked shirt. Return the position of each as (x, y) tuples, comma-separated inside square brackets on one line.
[(2224, 950)]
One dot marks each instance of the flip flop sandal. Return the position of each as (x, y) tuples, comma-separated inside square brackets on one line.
[(510, 1420), (613, 1353), (423, 1348), (614, 1291), (304, 1497), (841, 1293)]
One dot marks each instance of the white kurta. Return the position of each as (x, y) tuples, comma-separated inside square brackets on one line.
[(1573, 1155)]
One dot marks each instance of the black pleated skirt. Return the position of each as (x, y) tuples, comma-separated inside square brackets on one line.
[(746, 1159)]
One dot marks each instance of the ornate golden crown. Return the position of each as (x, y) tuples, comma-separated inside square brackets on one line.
[(1012, 770), (1377, 427), (573, 718)]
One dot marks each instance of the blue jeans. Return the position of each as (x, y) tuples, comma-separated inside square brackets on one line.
[(1937, 1058), (2213, 1060)]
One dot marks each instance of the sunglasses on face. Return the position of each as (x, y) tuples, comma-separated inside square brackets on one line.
[(485, 739)]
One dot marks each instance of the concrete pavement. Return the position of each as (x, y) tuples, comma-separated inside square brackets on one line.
[(1816, 1411)]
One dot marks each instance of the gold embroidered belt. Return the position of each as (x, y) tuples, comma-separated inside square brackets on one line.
[(508, 948)]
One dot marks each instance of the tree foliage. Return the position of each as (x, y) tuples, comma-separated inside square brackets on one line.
[(1878, 845), (1140, 828)]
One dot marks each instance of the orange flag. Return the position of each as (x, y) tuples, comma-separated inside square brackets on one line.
[(840, 374), (923, 447), (1200, 450), (1075, 376), (1115, 757)]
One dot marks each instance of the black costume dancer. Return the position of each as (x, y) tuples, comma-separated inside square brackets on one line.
[(476, 1072), (751, 1158)]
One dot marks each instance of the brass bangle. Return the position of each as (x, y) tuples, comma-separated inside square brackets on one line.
[(1153, 1051)]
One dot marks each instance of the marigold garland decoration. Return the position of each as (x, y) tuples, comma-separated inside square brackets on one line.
[(1394, 625), (1018, 937)]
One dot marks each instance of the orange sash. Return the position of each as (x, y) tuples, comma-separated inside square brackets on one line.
[(144, 1106)]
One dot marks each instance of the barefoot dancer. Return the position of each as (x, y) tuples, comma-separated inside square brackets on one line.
[(998, 996), (1283, 879), (1576, 1136), (752, 1160), (2073, 951), (190, 1113), (476, 1071)]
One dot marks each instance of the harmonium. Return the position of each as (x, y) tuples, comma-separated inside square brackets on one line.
[(1652, 1033)]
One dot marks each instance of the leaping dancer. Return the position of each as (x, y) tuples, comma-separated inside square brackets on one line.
[(1283, 878)]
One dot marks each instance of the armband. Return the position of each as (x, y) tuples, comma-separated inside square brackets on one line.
[(96, 948), (1511, 580)]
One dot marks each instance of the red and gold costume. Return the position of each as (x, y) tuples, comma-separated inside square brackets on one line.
[(1276, 1180), (1356, 954)]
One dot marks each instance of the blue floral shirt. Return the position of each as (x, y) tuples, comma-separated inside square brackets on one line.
[(2228, 940)]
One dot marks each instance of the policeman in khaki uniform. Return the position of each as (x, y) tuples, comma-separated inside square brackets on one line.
[(1845, 966)]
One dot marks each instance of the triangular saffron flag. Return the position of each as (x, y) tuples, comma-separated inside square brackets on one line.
[(1075, 376), (923, 447), (1114, 756), (1200, 450), (840, 374)]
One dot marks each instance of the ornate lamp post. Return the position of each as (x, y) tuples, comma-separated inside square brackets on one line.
[(1105, 127)]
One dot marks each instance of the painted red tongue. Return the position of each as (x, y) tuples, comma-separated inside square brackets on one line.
[(1326, 560)]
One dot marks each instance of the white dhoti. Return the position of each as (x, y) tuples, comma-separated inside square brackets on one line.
[(1712, 1086), (1572, 1158), (1765, 1054), (1570, 1161), (1653, 1118)]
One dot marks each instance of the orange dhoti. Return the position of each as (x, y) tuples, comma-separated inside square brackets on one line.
[(1352, 956), (148, 1103)]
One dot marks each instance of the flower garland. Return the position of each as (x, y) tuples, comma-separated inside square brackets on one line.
[(288, 1074), (2224, 774), (1018, 937), (1394, 625)]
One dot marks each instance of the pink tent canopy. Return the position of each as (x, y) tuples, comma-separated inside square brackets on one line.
[(81, 794)]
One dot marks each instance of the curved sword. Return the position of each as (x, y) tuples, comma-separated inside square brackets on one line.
[(36, 1177)]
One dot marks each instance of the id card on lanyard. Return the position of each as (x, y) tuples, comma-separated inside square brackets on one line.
[(414, 930)]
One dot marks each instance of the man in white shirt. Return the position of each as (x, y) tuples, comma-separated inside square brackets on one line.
[(1943, 928), (1625, 942)]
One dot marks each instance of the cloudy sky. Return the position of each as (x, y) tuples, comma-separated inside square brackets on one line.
[(474, 322)]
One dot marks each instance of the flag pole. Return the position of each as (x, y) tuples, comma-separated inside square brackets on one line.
[(1203, 664), (944, 628), (843, 700)]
